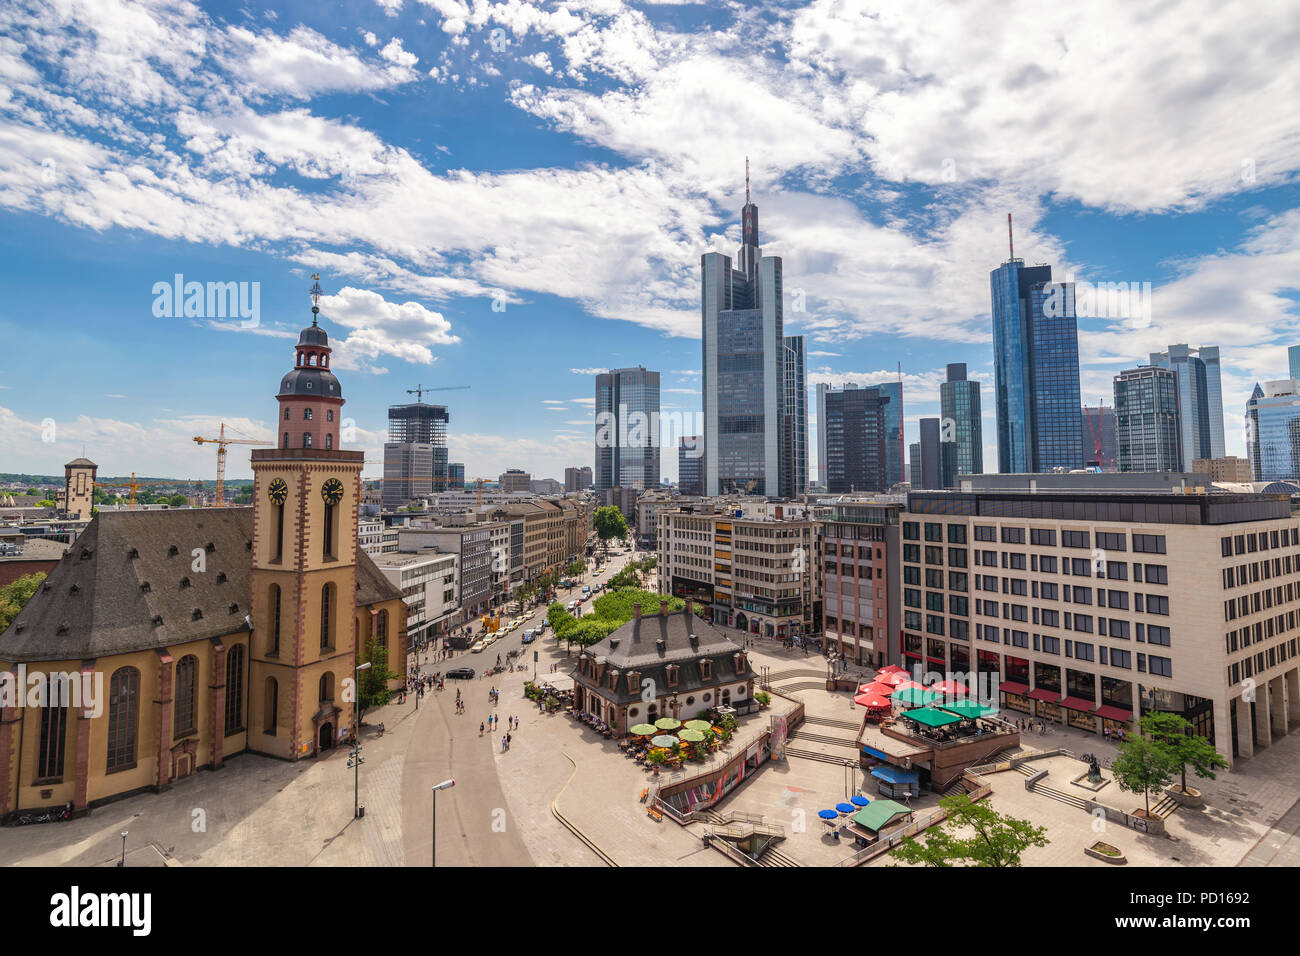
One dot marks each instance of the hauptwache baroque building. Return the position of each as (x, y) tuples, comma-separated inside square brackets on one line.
[(208, 632)]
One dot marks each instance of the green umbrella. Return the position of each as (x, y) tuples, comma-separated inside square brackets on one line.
[(914, 697), (664, 741), (643, 730), (691, 736), (698, 725), (667, 723)]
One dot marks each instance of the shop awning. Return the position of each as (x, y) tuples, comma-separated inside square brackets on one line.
[(896, 775), (1047, 696), (1078, 703), (1114, 713), (931, 717), (1012, 687)]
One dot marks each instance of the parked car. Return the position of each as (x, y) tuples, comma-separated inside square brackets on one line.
[(530, 635), (461, 673), (478, 647), (586, 589)]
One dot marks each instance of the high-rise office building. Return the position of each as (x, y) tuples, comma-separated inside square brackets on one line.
[(690, 465), (894, 452), (415, 455), (959, 402), (936, 456), (516, 479), (1036, 369), (794, 418), (1293, 360), (627, 429), (914, 464), (1146, 420), (1273, 430), (577, 479), (1098, 426), (1200, 398), (743, 350), (852, 428), (456, 476)]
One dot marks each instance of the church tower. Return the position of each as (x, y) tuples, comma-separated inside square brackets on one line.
[(79, 487), (306, 495)]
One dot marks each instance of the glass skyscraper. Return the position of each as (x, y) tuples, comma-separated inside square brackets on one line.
[(1036, 369), (743, 348), (1200, 399), (852, 429), (794, 425), (893, 432), (627, 429), (415, 455), (1293, 359), (1146, 420), (959, 404), (1273, 431)]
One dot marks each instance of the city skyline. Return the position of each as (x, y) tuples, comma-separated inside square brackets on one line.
[(914, 221)]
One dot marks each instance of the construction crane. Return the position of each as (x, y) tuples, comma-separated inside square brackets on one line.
[(221, 442), (1095, 433), (419, 390), (133, 484)]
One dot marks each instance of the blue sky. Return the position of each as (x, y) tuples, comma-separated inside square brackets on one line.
[(570, 162)]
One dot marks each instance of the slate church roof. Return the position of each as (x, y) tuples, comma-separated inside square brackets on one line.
[(128, 583)]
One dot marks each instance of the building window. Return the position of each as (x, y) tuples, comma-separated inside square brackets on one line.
[(381, 629), (286, 440), (187, 676), (329, 441), (276, 594), (123, 717), (306, 439), (286, 414), (326, 598), (327, 542), (329, 415), (306, 414), (235, 689), (326, 687), (54, 730), (272, 707)]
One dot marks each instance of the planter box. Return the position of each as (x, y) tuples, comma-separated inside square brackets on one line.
[(1192, 798), (1118, 859)]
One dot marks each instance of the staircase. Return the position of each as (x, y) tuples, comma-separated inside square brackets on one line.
[(1059, 796), (771, 856), (814, 755), (1164, 807), (822, 739), (831, 722)]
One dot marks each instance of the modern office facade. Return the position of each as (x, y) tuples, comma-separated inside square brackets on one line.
[(1273, 430), (415, 455), (936, 458), (577, 479), (895, 453), (794, 418), (961, 426), (690, 465), (516, 479), (408, 473), (860, 580), (627, 429), (1147, 420), (852, 428), (1036, 369), (456, 476), (1093, 609), (743, 381), (1293, 361), (1200, 398), (1098, 429)]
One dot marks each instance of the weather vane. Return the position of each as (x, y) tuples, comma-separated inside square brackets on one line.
[(316, 293)]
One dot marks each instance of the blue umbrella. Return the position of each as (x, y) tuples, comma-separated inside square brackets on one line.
[(858, 800), (845, 807), (828, 814)]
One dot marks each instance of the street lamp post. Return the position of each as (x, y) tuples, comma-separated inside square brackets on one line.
[(122, 861), (356, 745), (433, 834)]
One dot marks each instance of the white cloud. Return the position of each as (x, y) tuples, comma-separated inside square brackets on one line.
[(406, 330)]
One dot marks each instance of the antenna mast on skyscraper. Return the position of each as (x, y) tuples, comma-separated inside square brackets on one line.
[(746, 180)]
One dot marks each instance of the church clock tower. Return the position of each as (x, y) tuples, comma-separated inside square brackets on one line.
[(306, 495)]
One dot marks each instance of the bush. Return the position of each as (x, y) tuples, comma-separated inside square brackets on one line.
[(763, 697)]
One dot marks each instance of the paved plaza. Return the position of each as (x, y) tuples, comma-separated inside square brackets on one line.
[(505, 808)]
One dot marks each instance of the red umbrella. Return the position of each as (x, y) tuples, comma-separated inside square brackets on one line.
[(909, 685), (950, 688), (892, 679), (877, 688), (872, 701), (892, 669)]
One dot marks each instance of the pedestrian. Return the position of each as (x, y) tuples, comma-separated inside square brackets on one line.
[(508, 739), (503, 744), (480, 728)]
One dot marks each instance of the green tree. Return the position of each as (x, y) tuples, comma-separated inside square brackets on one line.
[(178, 501), (373, 688), (993, 840), (1143, 766), (526, 593), (15, 595), (1173, 733), (32, 491), (626, 578), (609, 524), (46, 503), (576, 569)]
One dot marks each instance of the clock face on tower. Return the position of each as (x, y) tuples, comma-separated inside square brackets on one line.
[(278, 492), (332, 491)]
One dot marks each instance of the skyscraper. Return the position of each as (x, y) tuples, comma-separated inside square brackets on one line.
[(959, 403), (1036, 369), (1146, 420), (794, 419), (1293, 359), (893, 432), (690, 465), (934, 462), (1200, 398), (743, 349), (1098, 427), (1273, 430), (415, 455), (627, 429), (853, 438)]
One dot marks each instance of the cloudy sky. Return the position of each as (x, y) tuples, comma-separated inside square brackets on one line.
[(510, 195)]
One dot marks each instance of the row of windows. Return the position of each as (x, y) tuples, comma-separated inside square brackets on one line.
[(1258, 541), (1077, 650), (1261, 661), (307, 414), (1241, 574)]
